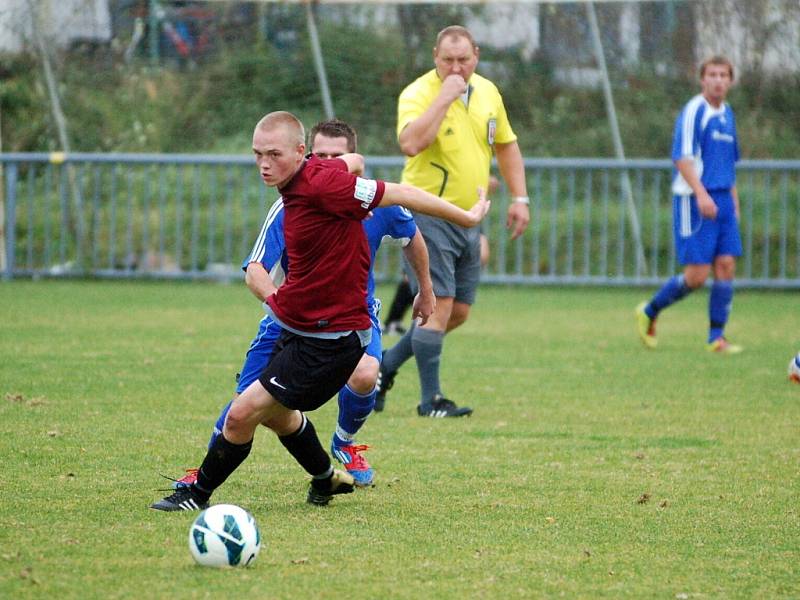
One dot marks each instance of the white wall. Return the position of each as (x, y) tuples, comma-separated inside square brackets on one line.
[(62, 22)]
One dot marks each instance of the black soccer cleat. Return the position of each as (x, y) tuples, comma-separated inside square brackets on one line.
[(185, 498), (382, 385), (441, 407), (340, 483)]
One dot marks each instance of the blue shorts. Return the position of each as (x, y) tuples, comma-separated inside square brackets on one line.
[(268, 333), (258, 354), (698, 240)]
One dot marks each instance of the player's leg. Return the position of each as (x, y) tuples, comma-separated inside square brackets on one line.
[(428, 341), (403, 299), (694, 241), (458, 316), (720, 301), (464, 273), (303, 374), (228, 451), (255, 360), (356, 401)]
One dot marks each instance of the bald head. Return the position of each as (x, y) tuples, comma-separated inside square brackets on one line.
[(294, 129)]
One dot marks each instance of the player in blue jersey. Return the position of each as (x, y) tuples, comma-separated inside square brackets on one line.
[(705, 207), (265, 269)]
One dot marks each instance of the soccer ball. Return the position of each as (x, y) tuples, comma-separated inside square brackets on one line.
[(794, 368), (224, 535)]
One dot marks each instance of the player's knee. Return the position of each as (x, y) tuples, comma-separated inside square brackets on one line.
[(694, 278), (725, 268), (458, 316), (240, 418), (363, 379)]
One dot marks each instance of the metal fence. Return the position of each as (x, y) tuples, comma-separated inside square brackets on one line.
[(593, 221)]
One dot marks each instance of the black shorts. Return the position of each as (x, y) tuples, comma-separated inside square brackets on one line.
[(305, 372)]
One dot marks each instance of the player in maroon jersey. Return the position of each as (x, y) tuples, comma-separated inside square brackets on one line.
[(321, 305)]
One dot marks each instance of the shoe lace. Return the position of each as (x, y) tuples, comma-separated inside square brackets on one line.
[(191, 476), (356, 460)]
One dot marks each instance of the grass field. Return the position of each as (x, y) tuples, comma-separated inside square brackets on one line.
[(591, 467)]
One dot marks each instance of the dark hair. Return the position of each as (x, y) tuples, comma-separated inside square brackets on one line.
[(455, 31), (334, 128), (718, 60)]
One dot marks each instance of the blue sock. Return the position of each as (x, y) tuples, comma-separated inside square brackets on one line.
[(719, 308), (394, 357), (353, 411), (219, 424), (670, 293)]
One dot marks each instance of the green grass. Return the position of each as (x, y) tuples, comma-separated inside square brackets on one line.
[(591, 467)]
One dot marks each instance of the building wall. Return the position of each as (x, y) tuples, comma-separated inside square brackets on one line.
[(62, 22)]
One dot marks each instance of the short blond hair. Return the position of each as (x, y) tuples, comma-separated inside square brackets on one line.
[(455, 31), (282, 118), (717, 60)]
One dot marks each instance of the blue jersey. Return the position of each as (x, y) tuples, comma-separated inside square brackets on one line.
[(393, 221), (707, 135), (270, 245)]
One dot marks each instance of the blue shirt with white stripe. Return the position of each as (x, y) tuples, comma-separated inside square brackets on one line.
[(269, 249), (707, 135)]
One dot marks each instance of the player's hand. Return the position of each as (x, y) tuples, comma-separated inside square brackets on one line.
[(518, 218), (479, 209), (424, 305), (706, 205), (453, 87)]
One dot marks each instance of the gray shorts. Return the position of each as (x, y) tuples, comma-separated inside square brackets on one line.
[(455, 258)]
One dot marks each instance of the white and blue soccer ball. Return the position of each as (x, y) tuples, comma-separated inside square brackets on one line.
[(794, 368), (224, 535)]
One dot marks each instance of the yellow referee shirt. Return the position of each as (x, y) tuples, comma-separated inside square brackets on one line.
[(457, 163)]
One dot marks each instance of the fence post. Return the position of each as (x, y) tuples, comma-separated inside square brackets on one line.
[(10, 219)]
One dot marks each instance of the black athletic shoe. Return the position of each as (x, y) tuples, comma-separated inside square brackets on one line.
[(184, 498), (382, 385), (442, 407), (341, 483)]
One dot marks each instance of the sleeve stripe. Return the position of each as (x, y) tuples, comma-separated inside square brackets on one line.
[(687, 131), (260, 248)]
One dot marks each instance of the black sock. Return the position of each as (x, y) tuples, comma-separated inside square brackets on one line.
[(305, 447), (223, 458), (403, 298)]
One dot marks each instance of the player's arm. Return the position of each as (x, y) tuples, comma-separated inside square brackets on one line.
[(355, 163), (416, 252), (735, 196), (418, 200), (705, 203), (259, 282), (421, 132), (512, 168)]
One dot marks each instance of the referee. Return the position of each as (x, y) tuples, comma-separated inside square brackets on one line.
[(449, 123)]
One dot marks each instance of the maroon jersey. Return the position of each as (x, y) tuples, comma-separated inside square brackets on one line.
[(327, 250)]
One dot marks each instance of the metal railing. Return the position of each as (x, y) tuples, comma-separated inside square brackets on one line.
[(196, 216)]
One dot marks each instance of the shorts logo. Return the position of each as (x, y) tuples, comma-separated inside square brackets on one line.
[(274, 381), (491, 130), (365, 191)]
